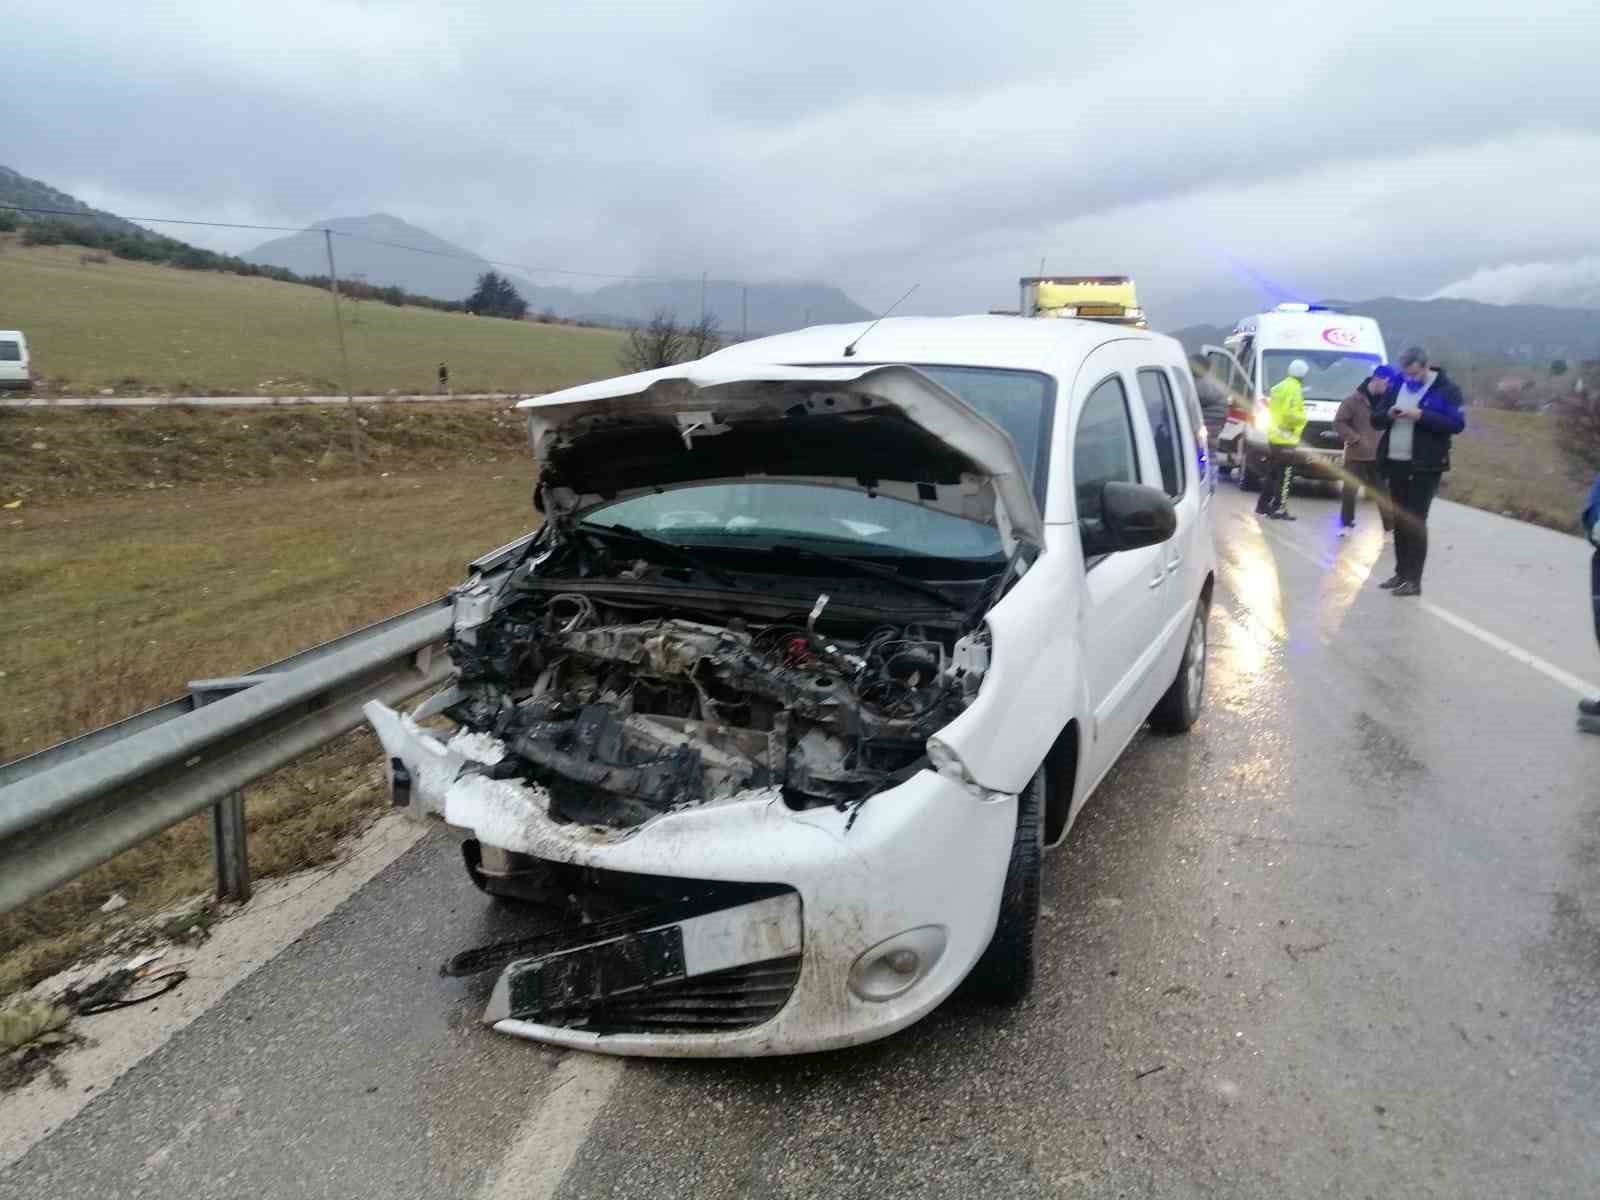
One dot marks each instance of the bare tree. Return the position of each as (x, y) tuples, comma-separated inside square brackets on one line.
[(658, 344), (704, 336)]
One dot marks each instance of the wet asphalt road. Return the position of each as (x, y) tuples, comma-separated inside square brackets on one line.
[(1342, 940)]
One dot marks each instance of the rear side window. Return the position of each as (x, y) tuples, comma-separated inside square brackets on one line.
[(1191, 401), (10, 351), (1162, 413), (1197, 422), (1103, 450), (1227, 378)]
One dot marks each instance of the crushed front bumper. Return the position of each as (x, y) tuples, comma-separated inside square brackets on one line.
[(881, 911)]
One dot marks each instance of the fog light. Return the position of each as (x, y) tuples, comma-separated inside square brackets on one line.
[(893, 967)]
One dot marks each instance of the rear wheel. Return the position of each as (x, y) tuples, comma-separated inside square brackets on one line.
[(1004, 975), (1179, 709)]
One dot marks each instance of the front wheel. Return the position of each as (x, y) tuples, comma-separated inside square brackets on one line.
[(1179, 709), (1004, 975)]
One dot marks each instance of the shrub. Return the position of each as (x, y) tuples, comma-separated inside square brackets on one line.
[(1579, 415)]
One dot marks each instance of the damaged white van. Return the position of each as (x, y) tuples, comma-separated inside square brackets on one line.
[(824, 638)]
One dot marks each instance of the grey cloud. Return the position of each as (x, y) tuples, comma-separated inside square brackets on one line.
[(872, 145)]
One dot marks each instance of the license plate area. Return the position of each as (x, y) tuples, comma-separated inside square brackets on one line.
[(590, 974), (584, 983)]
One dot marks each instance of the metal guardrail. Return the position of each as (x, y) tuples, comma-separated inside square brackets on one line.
[(74, 805)]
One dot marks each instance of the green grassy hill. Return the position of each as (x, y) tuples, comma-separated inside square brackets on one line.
[(95, 322)]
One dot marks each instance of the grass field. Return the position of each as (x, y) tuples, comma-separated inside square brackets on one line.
[(49, 455), (138, 327), (1510, 463), (109, 606)]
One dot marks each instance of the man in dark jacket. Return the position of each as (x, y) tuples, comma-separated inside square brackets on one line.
[(1417, 421), (1589, 710), (1354, 423)]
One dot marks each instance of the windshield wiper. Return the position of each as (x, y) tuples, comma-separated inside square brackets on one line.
[(872, 571), (687, 557)]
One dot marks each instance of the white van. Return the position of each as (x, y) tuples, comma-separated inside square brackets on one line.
[(1341, 349), (14, 363), (851, 622)]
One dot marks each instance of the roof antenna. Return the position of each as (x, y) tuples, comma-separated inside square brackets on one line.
[(850, 350)]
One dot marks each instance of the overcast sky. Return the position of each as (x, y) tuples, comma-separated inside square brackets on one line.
[(1221, 156)]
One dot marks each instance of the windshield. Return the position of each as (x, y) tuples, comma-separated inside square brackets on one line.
[(1334, 373), (758, 515), (1020, 402), (10, 351)]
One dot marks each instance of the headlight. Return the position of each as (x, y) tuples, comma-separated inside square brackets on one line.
[(1262, 421), (893, 967)]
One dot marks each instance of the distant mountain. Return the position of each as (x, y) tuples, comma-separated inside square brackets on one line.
[(448, 271), (375, 252), (1464, 330), (16, 188)]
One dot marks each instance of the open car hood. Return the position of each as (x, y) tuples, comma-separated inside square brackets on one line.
[(881, 430)]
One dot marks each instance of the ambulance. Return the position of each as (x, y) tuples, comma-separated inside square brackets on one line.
[(1341, 350)]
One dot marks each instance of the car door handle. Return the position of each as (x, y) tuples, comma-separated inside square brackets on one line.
[(1161, 577), (1172, 567)]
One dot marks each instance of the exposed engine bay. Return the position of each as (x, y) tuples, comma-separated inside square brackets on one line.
[(622, 711)]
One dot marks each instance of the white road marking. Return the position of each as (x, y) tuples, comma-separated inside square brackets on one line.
[(1566, 680), (1526, 657), (548, 1141)]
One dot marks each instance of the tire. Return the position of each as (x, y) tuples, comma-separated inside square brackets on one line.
[(1179, 708), (1249, 481), (1005, 973)]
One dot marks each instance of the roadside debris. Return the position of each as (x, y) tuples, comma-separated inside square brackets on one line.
[(112, 990), (24, 1023), (31, 1034)]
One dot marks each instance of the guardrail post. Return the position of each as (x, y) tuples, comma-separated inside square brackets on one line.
[(230, 848), (230, 844)]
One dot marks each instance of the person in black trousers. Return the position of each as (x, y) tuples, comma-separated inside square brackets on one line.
[(1417, 420), (1354, 424)]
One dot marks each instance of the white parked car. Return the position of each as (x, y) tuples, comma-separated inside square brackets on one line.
[(16, 370), (818, 648)]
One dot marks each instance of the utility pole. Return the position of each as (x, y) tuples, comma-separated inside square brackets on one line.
[(744, 312), (344, 355), (702, 298)]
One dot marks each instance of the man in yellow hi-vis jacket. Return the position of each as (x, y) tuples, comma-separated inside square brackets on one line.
[(1286, 419)]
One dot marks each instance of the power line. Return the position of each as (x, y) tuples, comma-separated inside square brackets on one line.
[(96, 216), (525, 268)]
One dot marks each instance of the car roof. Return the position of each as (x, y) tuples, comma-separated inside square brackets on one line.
[(1026, 343)]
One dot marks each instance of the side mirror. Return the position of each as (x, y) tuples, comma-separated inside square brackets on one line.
[(1132, 516)]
